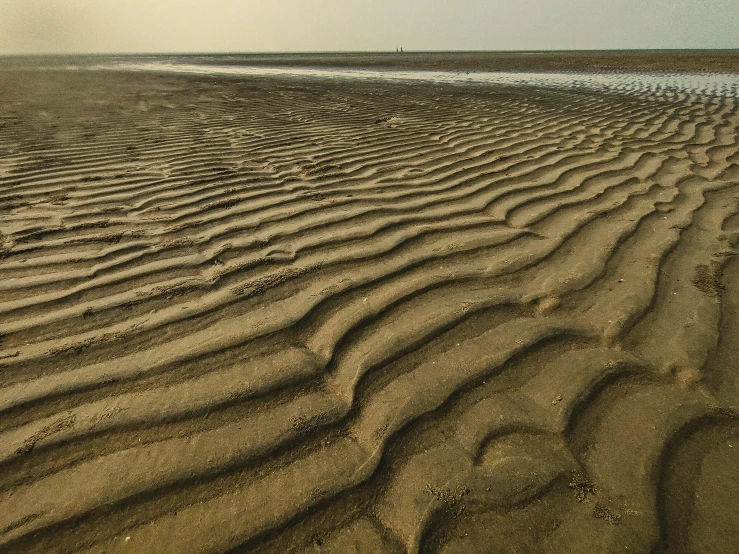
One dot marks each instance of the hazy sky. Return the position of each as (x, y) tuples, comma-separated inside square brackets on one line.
[(39, 26)]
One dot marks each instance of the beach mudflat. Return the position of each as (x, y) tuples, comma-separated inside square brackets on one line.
[(284, 315)]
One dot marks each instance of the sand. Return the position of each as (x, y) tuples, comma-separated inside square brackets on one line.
[(287, 315)]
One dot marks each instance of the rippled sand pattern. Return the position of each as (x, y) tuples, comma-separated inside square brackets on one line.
[(265, 315)]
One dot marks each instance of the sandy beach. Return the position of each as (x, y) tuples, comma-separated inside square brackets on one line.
[(300, 315)]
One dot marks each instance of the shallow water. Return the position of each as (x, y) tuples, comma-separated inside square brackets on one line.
[(712, 84)]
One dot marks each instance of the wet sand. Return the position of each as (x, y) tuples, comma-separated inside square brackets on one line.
[(287, 315)]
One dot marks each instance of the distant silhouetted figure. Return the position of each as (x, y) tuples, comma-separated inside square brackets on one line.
[(401, 49)]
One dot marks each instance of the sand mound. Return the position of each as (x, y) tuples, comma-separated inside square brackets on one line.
[(283, 315)]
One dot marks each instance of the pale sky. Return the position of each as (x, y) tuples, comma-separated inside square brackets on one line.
[(71, 26)]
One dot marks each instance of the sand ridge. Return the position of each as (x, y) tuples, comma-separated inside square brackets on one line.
[(272, 315)]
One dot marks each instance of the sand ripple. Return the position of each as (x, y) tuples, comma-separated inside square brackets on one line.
[(280, 315)]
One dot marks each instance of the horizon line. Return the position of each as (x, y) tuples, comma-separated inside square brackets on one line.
[(325, 52)]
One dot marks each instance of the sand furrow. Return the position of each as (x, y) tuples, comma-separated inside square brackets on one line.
[(272, 314)]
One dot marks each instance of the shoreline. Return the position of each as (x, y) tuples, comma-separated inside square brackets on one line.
[(691, 61)]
